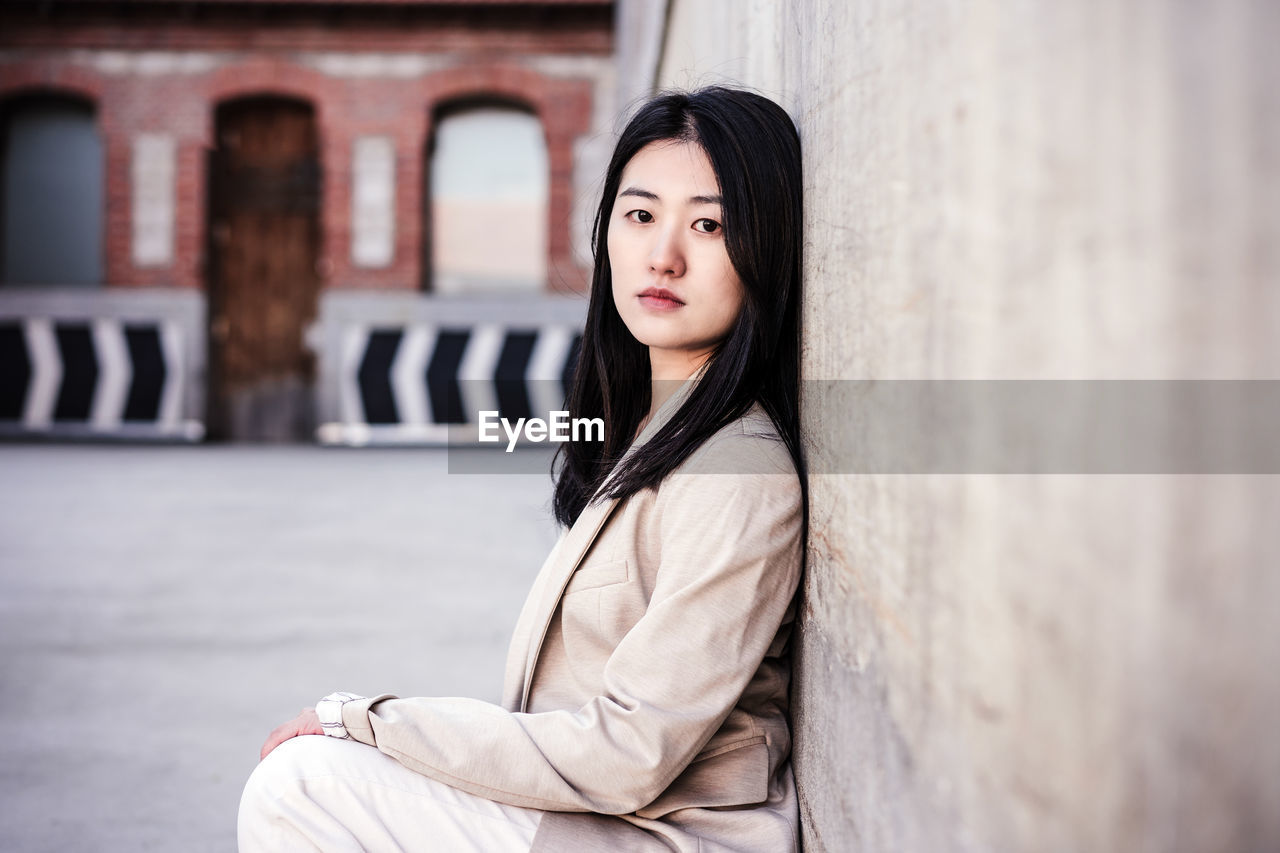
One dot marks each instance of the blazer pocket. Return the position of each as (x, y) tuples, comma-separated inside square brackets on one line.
[(727, 776), (596, 575)]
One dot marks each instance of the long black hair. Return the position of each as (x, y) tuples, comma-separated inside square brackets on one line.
[(754, 150)]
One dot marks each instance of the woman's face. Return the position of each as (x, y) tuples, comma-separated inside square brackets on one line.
[(673, 283)]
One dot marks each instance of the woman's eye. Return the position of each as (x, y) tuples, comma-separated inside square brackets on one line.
[(640, 216), (706, 226)]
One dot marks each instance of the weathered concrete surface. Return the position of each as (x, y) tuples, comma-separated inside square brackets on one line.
[(162, 608), (1034, 191)]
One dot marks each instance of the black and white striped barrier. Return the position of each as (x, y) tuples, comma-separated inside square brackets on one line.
[(85, 376), (427, 381), (423, 384)]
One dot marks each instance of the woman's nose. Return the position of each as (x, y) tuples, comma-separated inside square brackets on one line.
[(667, 255)]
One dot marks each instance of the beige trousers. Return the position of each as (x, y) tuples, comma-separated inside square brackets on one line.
[(322, 793)]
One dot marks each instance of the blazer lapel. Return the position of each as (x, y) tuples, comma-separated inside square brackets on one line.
[(574, 547), (580, 538)]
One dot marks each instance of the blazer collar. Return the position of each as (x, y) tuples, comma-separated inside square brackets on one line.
[(665, 412)]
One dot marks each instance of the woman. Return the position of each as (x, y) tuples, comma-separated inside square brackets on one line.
[(645, 700)]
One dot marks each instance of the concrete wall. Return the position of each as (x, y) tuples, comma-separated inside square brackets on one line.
[(1032, 191)]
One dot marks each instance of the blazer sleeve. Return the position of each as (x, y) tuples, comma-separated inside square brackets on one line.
[(730, 563)]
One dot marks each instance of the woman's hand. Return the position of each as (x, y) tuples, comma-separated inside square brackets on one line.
[(306, 723)]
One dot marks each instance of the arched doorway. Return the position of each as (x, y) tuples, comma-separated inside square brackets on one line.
[(264, 235), (51, 179), (487, 193)]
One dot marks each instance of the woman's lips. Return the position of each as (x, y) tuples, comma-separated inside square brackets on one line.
[(659, 299)]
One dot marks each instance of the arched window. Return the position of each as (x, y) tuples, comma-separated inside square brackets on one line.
[(488, 201), (51, 181)]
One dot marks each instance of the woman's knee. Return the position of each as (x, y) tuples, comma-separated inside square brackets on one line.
[(287, 763), (272, 806)]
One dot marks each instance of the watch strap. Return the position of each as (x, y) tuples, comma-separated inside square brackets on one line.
[(329, 711)]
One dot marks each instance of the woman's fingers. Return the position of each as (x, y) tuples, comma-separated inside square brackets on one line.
[(306, 723)]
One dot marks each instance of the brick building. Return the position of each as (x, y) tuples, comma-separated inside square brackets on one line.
[(213, 209)]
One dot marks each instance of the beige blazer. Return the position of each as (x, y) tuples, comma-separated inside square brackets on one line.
[(645, 698)]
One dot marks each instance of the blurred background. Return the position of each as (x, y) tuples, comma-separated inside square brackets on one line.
[(238, 235), (225, 220)]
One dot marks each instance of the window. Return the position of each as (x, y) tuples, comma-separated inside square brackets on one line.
[(488, 201), (51, 177)]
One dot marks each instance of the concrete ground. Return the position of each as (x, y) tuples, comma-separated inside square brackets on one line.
[(162, 608)]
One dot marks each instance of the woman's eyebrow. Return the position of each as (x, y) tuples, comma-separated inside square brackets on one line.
[(695, 199), (636, 191)]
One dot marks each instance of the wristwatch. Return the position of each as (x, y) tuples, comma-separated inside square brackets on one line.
[(329, 710)]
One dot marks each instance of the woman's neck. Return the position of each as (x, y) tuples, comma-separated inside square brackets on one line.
[(668, 369)]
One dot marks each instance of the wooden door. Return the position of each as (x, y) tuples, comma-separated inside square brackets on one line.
[(264, 238)]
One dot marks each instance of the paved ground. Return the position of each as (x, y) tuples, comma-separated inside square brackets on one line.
[(162, 608)]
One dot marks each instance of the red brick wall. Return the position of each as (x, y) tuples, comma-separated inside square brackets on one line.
[(487, 62)]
